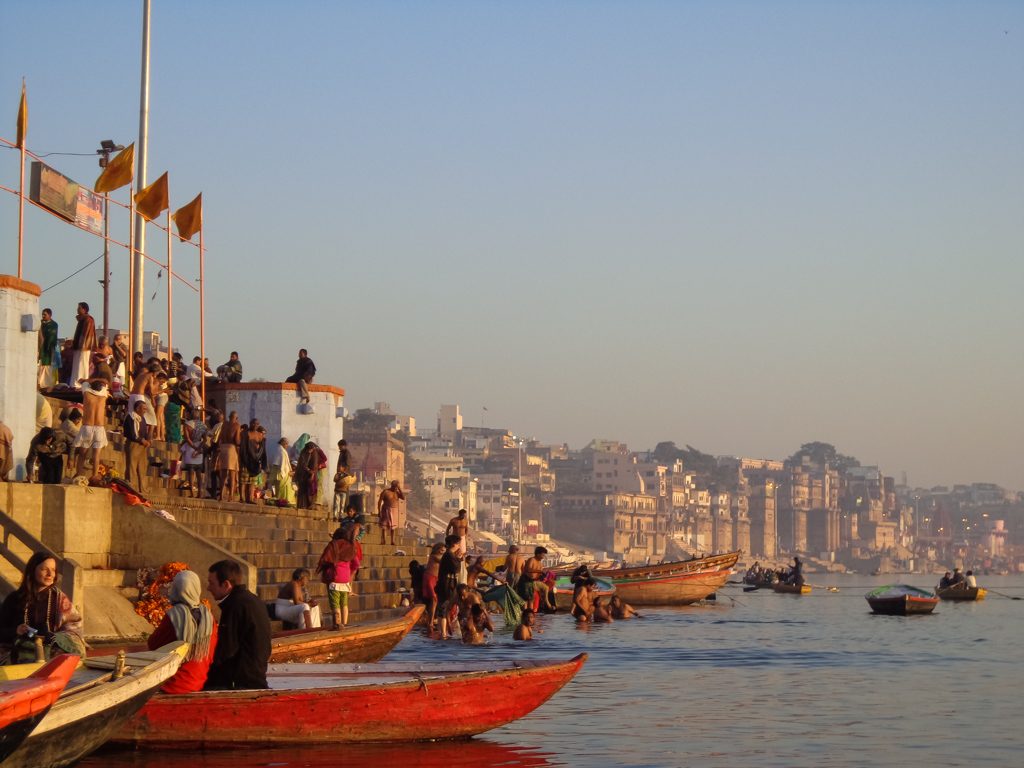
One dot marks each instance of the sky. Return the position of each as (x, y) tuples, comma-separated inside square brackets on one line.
[(740, 226)]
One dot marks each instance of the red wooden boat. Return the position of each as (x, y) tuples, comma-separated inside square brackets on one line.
[(677, 583), (342, 703), (363, 643), (23, 703)]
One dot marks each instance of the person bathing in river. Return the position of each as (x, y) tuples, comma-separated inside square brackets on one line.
[(601, 613), (474, 626), (524, 631), (621, 609), (582, 602)]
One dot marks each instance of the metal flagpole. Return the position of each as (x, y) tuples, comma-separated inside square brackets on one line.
[(170, 311), (21, 203), (131, 281), (140, 175), (106, 266), (202, 317)]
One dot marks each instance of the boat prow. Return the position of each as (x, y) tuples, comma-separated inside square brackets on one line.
[(25, 701), (356, 644), (95, 703), (347, 703)]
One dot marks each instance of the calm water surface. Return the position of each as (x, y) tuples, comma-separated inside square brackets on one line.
[(757, 679)]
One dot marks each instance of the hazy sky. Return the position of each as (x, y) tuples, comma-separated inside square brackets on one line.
[(741, 226)]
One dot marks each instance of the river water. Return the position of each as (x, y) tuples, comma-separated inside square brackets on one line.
[(753, 679)]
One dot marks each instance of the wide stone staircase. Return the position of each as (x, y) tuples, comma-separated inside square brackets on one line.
[(277, 541)]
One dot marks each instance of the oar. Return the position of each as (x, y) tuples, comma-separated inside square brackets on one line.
[(1003, 594), (753, 588)]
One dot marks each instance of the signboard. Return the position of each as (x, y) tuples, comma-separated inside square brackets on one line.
[(66, 198), (89, 213)]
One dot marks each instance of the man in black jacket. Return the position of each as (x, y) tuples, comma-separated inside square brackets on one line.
[(243, 638), (305, 370)]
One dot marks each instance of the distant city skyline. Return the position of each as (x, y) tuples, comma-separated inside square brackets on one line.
[(737, 225)]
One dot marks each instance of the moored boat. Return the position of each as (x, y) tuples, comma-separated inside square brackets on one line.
[(791, 589), (356, 644), (676, 583), (95, 703), (564, 589), (24, 702), (341, 703), (964, 594), (901, 600)]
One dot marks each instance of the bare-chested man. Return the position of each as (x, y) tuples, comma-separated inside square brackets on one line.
[(601, 613), (582, 602), (430, 575), (533, 570), (459, 526), (524, 630), (513, 566), (92, 436), (387, 508), (144, 389), (474, 625)]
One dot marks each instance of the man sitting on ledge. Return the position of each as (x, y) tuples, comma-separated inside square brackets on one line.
[(243, 644)]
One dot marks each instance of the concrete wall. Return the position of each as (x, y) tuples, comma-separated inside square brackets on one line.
[(94, 527), (279, 411), (18, 356)]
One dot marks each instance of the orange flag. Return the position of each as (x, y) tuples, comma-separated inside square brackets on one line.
[(189, 218), (22, 117), (119, 171), (152, 201)]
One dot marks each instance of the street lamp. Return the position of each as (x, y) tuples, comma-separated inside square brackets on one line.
[(107, 146)]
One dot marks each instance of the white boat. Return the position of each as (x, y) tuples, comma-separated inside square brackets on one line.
[(94, 705)]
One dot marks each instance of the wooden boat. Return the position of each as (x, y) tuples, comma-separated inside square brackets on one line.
[(792, 589), (961, 593), (23, 703), (95, 703), (677, 583), (564, 589), (311, 704), (901, 600), (363, 643)]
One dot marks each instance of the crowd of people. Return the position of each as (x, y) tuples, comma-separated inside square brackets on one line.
[(159, 399), (457, 589)]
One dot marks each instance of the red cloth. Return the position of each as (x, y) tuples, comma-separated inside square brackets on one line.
[(191, 676), (429, 584)]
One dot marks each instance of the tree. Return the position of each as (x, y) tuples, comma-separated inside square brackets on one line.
[(823, 453)]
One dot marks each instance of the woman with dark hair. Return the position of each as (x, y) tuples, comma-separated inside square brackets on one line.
[(38, 607), (337, 567), (293, 604), (192, 622)]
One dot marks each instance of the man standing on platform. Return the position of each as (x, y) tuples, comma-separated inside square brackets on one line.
[(387, 508), (83, 344), (136, 433), (243, 642), (48, 351)]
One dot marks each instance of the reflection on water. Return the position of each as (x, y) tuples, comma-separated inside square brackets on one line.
[(757, 679), (470, 753)]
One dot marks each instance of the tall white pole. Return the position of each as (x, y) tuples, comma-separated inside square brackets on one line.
[(140, 180)]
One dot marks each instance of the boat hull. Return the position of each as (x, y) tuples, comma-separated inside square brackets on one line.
[(82, 721), (961, 594), (791, 589), (905, 605), (678, 583), (302, 708), (24, 703), (353, 645)]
